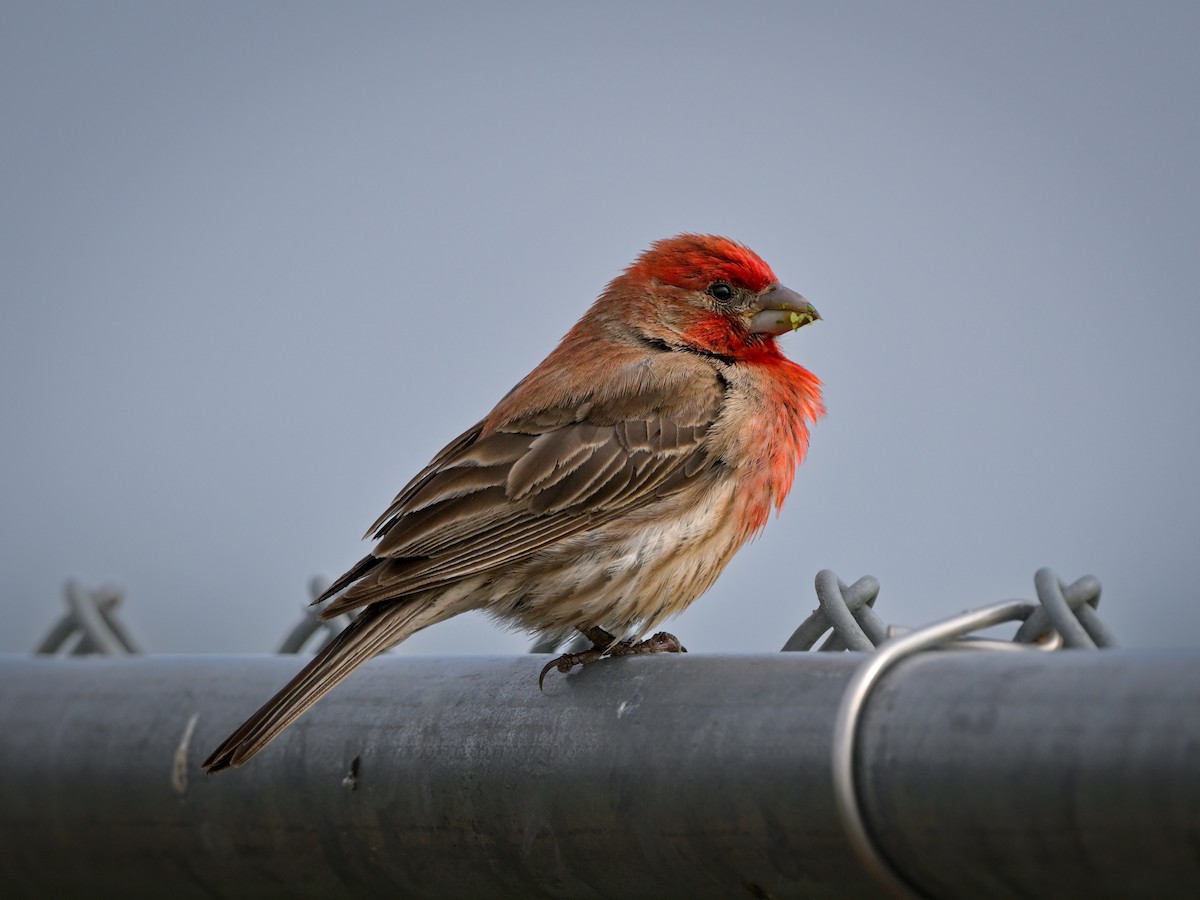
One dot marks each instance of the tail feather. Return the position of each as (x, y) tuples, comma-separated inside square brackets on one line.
[(361, 568), (374, 631)]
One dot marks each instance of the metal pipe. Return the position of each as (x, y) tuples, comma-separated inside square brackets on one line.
[(981, 774)]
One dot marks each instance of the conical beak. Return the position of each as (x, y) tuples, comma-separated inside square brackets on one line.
[(781, 309)]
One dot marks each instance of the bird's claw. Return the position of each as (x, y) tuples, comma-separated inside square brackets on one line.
[(662, 642), (567, 662)]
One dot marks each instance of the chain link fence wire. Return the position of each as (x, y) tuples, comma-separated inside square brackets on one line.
[(90, 626), (312, 625), (1064, 616)]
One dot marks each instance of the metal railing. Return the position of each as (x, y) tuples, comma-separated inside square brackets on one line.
[(974, 771), (90, 625)]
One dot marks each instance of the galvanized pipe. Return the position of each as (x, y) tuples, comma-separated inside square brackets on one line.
[(980, 774)]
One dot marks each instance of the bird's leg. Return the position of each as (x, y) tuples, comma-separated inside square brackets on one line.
[(604, 644), (597, 635)]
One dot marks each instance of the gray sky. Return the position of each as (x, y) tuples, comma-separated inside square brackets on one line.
[(261, 261)]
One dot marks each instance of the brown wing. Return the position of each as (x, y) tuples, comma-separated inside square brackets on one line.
[(494, 498)]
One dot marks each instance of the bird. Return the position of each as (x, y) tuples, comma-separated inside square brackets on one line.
[(605, 492)]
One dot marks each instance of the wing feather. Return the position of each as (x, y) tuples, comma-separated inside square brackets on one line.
[(493, 498)]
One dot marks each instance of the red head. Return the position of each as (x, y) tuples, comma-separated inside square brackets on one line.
[(705, 293), (694, 261)]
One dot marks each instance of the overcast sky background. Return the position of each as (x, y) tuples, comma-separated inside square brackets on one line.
[(261, 261)]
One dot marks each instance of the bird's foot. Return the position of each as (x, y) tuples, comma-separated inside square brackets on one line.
[(659, 643), (604, 644)]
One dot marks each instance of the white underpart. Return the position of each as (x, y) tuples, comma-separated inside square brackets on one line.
[(626, 576)]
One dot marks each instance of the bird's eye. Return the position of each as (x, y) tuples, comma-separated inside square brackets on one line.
[(720, 291)]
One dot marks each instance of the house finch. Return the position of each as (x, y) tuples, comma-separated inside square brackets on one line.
[(606, 491)]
